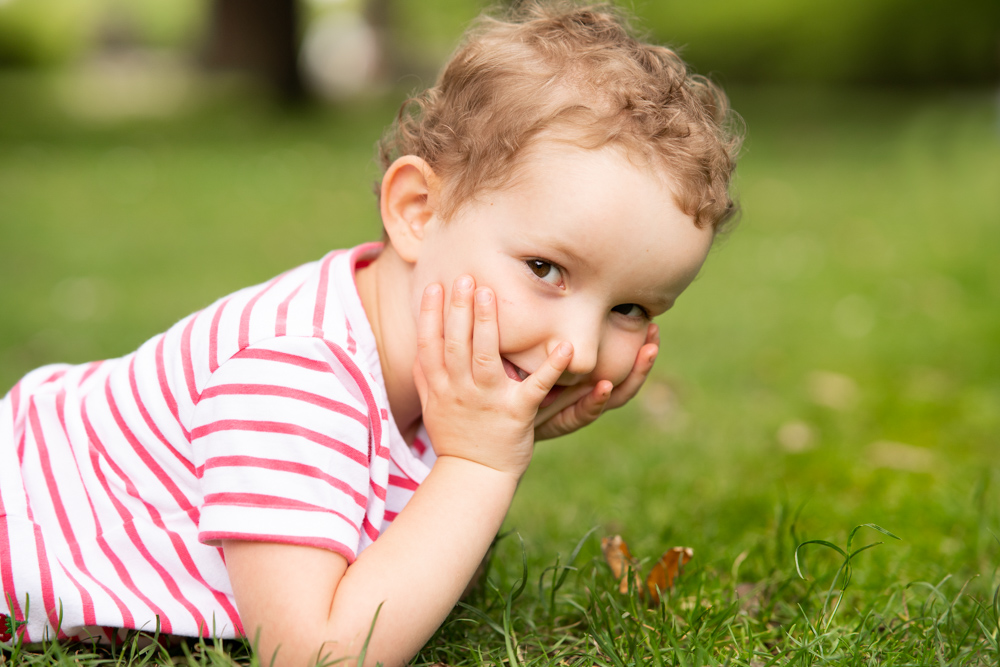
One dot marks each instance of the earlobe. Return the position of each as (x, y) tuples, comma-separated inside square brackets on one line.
[(409, 194)]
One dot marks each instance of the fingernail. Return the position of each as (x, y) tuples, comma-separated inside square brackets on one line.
[(483, 296), (565, 349), (432, 290), (464, 283)]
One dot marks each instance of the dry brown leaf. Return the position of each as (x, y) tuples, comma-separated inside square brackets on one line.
[(621, 562), (662, 576)]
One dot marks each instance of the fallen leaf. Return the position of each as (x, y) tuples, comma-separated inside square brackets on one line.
[(661, 577), (621, 562)]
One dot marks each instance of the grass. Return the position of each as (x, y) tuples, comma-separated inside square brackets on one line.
[(835, 365)]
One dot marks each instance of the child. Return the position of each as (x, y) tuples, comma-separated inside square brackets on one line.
[(347, 438)]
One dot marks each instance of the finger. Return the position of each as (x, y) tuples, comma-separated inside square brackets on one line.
[(487, 369), (653, 334), (421, 383), (430, 331), (630, 386), (581, 413), (539, 383), (458, 327)]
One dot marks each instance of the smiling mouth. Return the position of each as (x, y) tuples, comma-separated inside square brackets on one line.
[(513, 372), (519, 374)]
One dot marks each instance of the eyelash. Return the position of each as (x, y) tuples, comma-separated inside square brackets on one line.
[(644, 314), (536, 265)]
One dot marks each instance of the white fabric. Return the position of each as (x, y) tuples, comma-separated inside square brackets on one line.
[(262, 417)]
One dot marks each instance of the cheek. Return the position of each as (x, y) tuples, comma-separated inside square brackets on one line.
[(616, 362), (517, 320)]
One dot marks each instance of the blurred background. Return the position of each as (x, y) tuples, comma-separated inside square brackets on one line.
[(841, 350)]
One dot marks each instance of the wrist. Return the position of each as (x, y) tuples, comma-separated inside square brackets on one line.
[(477, 473)]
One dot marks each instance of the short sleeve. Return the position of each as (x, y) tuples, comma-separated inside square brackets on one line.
[(281, 440)]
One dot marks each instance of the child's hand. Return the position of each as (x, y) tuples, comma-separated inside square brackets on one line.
[(471, 408), (603, 396)]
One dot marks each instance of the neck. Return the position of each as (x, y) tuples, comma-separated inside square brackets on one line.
[(384, 287)]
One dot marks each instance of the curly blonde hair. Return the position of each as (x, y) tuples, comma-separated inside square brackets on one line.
[(577, 72)]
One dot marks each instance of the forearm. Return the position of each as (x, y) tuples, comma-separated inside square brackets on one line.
[(419, 567), (416, 570)]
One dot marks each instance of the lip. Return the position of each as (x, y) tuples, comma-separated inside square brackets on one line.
[(514, 372), (518, 373)]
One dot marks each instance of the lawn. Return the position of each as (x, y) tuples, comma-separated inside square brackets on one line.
[(836, 364)]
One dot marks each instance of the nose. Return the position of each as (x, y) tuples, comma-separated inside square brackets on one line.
[(585, 336)]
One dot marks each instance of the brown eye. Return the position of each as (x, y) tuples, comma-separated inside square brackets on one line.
[(546, 271), (631, 310), (539, 268)]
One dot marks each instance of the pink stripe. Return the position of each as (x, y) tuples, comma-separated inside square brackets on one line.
[(213, 337), (55, 376), (6, 550), (285, 392), (91, 368), (419, 445), (264, 501), (309, 471), (180, 547), (283, 429), (7, 568), (88, 603), (403, 482), (285, 358), (389, 516), (244, 335), (318, 542), (352, 345), (373, 409), (143, 453), (45, 574), (281, 322), (122, 609), (375, 435), (186, 361), (97, 453), (69, 537), (369, 529), (183, 460), (21, 442), (324, 278), (168, 395)]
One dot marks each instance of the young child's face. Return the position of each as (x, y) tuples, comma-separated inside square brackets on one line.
[(582, 247)]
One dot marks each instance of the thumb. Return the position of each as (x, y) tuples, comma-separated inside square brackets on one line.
[(542, 380)]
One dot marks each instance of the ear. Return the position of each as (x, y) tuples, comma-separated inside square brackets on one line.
[(410, 191)]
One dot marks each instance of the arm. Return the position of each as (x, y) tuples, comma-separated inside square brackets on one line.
[(300, 597), (308, 602)]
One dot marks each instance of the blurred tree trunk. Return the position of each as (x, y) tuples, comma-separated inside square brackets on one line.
[(379, 15), (259, 37)]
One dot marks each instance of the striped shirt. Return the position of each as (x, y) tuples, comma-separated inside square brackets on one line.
[(262, 417)]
